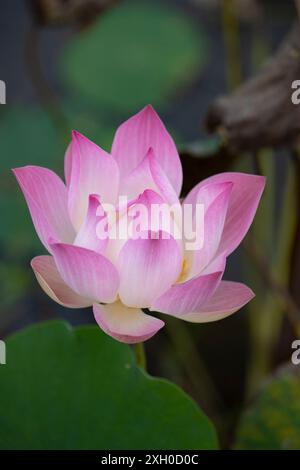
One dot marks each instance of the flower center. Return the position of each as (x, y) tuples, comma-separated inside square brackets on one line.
[(184, 271)]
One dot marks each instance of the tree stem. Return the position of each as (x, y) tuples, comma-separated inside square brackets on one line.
[(140, 356), (232, 43)]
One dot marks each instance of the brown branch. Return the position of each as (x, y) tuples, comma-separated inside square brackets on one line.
[(61, 12), (260, 113)]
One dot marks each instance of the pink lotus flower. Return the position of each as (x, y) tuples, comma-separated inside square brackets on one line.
[(119, 278)]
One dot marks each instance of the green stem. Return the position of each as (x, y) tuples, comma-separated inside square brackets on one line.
[(195, 368), (232, 43), (140, 356)]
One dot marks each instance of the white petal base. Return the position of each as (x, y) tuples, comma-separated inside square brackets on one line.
[(51, 282), (126, 324)]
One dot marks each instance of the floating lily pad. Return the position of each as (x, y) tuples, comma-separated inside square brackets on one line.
[(65, 388)]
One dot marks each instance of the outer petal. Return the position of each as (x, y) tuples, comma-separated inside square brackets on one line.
[(214, 219), (206, 192), (181, 299), (148, 267), (133, 139), (88, 235), (217, 264), (228, 298), (244, 200), (89, 274), (51, 282), (148, 175), (89, 170), (125, 324), (46, 197)]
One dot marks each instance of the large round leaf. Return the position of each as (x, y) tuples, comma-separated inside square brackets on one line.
[(136, 53), (78, 389), (273, 421)]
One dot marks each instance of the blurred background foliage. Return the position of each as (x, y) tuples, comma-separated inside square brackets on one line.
[(88, 65)]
